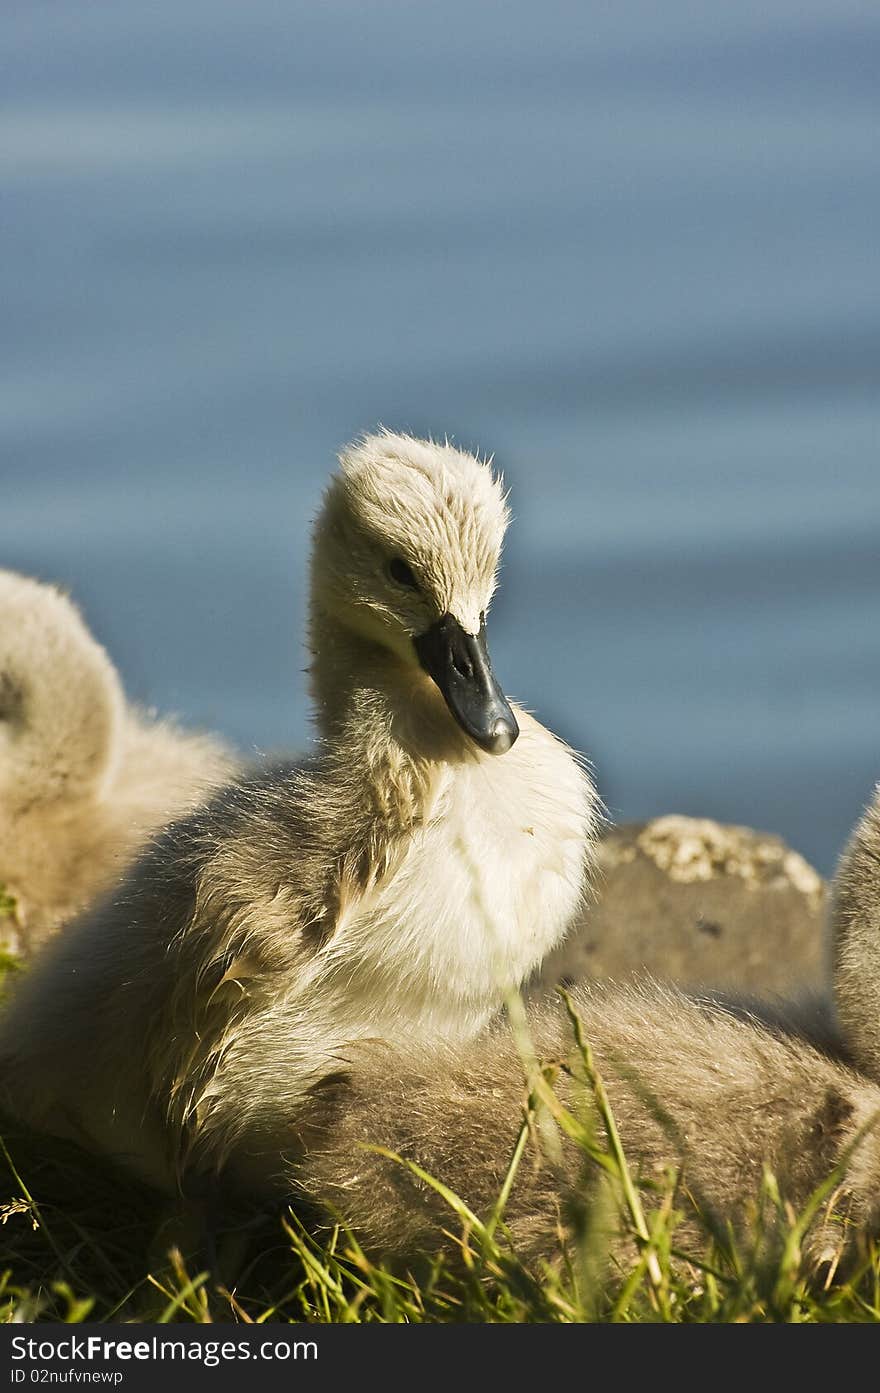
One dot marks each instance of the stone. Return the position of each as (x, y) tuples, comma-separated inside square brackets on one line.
[(699, 903)]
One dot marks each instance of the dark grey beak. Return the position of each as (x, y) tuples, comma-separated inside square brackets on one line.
[(459, 664)]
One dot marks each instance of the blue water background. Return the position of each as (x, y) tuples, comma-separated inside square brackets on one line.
[(632, 249)]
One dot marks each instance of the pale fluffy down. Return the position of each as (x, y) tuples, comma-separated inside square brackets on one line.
[(84, 777), (398, 882), (855, 933), (693, 1088)]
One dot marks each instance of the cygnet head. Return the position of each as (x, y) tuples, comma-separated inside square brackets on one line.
[(61, 703), (406, 552)]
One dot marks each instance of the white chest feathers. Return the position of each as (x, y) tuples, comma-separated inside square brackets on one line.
[(487, 888)]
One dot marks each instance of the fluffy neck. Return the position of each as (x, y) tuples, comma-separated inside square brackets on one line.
[(367, 699)]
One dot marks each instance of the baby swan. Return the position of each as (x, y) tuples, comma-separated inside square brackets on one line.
[(855, 941), (84, 778), (693, 1089), (395, 884), (715, 1090)]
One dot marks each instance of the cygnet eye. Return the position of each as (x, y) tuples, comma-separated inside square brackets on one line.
[(400, 572)]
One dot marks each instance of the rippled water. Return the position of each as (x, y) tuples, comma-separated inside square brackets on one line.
[(633, 250)]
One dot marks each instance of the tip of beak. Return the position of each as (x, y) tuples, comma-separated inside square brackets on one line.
[(504, 733)]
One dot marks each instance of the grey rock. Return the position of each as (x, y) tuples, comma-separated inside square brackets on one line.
[(699, 903)]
